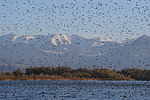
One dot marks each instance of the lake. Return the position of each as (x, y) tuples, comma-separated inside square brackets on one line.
[(74, 90)]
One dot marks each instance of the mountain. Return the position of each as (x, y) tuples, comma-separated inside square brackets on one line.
[(73, 51)]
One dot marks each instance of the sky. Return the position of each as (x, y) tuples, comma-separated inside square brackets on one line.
[(115, 19)]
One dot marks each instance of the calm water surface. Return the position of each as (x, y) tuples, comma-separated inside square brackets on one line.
[(74, 90)]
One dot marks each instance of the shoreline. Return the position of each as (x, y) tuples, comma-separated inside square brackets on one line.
[(69, 79)]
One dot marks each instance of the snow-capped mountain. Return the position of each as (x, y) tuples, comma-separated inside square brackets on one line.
[(73, 51)]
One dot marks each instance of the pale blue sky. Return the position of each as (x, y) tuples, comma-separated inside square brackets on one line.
[(117, 19)]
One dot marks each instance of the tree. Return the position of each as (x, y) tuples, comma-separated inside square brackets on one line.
[(18, 72)]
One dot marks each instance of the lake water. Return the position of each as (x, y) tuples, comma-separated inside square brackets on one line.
[(74, 90)]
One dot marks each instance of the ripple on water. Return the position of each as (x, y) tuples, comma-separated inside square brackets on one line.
[(73, 90)]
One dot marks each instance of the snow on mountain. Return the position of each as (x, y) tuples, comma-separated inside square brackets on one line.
[(72, 50), (61, 39)]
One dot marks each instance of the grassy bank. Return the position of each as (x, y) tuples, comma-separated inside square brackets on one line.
[(59, 78)]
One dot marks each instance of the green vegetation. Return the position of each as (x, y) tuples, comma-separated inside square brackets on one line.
[(66, 73)]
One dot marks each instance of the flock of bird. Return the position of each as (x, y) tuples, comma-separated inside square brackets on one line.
[(112, 18), (117, 19), (121, 19)]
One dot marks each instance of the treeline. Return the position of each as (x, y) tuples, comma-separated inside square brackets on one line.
[(66, 73), (137, 74)]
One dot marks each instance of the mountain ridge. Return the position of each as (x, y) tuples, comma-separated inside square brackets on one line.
[(73, 51)]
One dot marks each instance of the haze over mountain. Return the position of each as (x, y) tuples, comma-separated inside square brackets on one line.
[(73, 51)]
